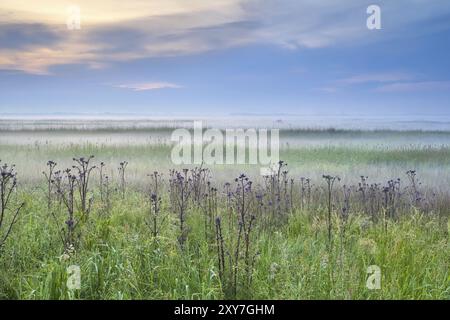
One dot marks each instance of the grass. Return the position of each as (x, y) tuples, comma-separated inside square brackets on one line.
[(379, 163), (120, 258)]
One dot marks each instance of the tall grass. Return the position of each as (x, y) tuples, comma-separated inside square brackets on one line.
[(251, 257), (154, 231), (120, 260)]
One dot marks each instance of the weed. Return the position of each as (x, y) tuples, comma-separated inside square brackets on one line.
[(9, 212)]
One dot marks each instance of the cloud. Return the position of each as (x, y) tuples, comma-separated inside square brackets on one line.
[(376, 77), (366, 78), (106, 12), (149, 86), (38, 59), (114, 31), (415, 86), (20, 35)]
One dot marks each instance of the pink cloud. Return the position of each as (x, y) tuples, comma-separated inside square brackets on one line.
[(149, 86)]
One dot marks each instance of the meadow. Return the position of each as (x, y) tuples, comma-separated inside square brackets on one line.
[(139, 227)]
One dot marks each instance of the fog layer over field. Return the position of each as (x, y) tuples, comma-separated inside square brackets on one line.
[(382, 150)]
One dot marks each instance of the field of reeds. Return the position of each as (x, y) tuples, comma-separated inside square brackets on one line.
[(110, 202)]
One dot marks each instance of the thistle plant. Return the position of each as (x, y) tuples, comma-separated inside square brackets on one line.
[(209, 208), (305, 192), (66, 185), (83, 170), (156, 219), (49, 177), (9, 211), (246, 220), (181, 193), (102, 177), (122, 168), (374, 200), (106, 200), (392, 195), (286, 193), (302, 192), (415, 194), (344, 214), (199, 183), (291, 194), (330, 180), (363, 190), (220, 249), (239, 248), (264, 220), (277, 191), (229, 195)]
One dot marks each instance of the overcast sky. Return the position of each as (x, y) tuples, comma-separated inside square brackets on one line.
[(225, 56)]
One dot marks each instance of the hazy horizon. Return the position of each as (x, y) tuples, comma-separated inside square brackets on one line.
[(143, 121)]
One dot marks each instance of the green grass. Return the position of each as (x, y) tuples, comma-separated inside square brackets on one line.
[(119, 259), (379, 163)]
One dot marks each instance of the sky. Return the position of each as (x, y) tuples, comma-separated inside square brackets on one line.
[(221, 57)]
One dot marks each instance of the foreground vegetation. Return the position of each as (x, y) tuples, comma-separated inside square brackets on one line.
[(185, 235)]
